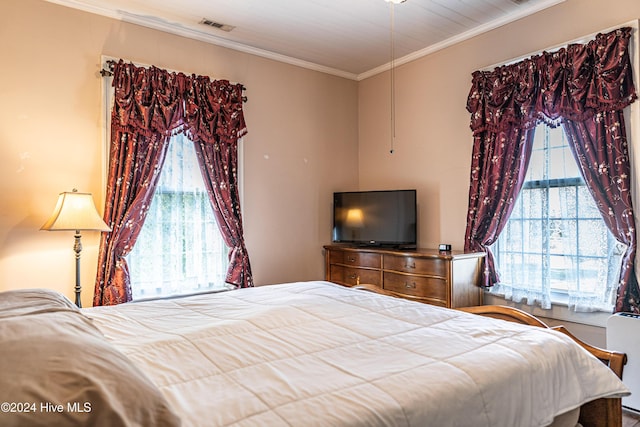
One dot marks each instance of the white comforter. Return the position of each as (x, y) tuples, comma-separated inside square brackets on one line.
[(314, 353)]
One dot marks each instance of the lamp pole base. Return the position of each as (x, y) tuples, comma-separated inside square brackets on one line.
[(77, 248)]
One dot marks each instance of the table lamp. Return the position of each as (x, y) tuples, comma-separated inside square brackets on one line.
[(75, 212)]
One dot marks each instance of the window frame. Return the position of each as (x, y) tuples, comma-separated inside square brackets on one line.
[(547, 218)]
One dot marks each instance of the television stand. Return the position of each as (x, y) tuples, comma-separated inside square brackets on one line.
[(446, 279)]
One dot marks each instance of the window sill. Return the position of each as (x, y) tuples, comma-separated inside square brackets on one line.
[(227, 287), (558, 311)]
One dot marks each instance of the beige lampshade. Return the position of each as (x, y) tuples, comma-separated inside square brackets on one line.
[(75, 211)]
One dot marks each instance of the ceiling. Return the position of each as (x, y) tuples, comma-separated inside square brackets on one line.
[(348, 38)]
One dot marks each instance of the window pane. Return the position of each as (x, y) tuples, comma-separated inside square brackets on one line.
[(532, 203), (514, 229), (532, 271), (555, 137), (534, 235), (592, 274), (179, 249), (587, 205), (537, 163), (563, 203), (513, 259), (560, 271), (563, 239), (592, 240)]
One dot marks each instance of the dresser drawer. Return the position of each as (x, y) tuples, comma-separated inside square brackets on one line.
[(358, 259), (417, 286), (352, 276), (416, 265)]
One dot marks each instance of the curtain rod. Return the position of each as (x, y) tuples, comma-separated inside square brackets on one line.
[(109, 72), (583, 39)]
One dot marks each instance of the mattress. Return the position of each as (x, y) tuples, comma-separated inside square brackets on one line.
[(315, 353)]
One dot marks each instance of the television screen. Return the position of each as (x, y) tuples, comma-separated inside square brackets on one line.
[(375, 218)]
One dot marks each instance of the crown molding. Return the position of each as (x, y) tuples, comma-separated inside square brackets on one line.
[(180, 30), (193, 33), (460, 38)]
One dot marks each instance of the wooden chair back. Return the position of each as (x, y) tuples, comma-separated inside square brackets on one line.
[(509, 314)]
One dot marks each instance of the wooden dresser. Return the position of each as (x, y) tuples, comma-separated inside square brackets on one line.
[(447, 279)]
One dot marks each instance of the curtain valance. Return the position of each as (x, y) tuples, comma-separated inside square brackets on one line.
[(576, 83), (153, 100)]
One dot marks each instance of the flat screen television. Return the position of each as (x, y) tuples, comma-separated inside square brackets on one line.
[(375, 218)]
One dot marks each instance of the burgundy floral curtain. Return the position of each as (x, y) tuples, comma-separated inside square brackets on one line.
[(149, 107), (495, 185), (215, 134), (577, 85), (599, 145)]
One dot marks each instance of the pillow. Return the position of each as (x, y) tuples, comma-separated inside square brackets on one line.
[(32, 301), (57, 369)]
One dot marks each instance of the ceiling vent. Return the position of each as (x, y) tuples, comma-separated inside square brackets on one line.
[(216, 25)]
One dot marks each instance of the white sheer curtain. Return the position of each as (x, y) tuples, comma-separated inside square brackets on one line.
[(592, 268), (179, 250), (520, 255)]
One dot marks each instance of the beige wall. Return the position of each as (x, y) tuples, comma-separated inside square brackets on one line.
[(433, 140), (301, 146)]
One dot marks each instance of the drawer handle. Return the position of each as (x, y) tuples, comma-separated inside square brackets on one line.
[(410, 285), (353, 276), (351, 259), (413, 265)]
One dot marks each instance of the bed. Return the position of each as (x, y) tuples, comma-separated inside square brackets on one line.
[(308, 353)]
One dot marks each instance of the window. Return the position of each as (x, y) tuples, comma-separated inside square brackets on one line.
[(179, 249), (555, 245)]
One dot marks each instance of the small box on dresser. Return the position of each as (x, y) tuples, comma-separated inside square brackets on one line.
[(447, 279)]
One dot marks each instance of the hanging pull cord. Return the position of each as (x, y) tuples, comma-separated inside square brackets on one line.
[(392, 78)]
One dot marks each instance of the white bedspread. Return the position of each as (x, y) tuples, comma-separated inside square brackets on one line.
[(318, 354)]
